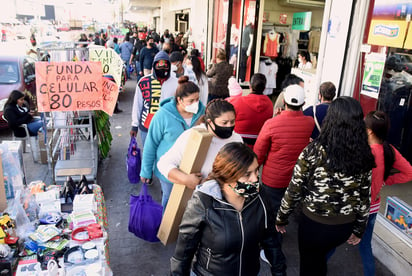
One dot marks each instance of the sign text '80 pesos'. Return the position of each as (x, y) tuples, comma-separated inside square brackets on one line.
[(69, 86)]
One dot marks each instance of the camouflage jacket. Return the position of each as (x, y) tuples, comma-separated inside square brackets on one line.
[(327, 197)]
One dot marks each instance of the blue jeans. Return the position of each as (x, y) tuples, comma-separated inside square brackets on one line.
[(166, 190), (273, 197), (34, 127), (365, 247), (143, 135), (127, 68), (137, 66)]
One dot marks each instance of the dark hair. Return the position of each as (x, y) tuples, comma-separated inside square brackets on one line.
[(343, 136), (115, 40), (378, 122), (197, 68), (232, 162), (305, 54), (185, 88), (176, 56), (258, 83), (13, 97), (327, 90), (194, 52), (217, 107), (291, 79), (294, 107)]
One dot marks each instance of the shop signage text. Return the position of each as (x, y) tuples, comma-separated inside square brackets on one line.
[(301, 21)]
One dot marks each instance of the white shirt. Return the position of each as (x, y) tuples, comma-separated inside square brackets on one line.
[(307, 65), (173, 157), (270, 71)]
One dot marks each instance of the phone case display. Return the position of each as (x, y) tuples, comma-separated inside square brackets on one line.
[(54, 243), (104, 137), (399, 214)]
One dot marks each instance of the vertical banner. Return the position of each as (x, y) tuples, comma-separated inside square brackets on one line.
[(372, 77), (69, 86), (110, 93), (112, 64)]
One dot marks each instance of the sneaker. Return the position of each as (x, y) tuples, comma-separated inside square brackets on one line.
[(263, 257)]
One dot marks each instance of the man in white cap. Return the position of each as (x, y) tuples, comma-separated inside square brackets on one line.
[(277, 147)]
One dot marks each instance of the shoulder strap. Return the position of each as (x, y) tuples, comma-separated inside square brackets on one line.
[(316, 119)]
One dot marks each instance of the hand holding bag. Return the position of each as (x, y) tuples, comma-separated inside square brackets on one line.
[(133, 161), (145, 216)]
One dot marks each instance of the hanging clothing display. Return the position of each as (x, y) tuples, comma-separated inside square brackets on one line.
[(314, 41), (271, 44), (269, 69)]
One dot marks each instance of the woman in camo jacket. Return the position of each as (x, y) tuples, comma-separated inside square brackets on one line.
[(331, 179)]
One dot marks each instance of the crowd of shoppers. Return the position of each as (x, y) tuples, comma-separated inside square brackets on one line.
[(324, 158)]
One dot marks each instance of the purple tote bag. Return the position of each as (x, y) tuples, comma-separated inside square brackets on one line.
[(145, 216), (133, 161)]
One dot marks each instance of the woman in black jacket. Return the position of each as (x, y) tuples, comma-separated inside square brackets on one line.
[(17, 113), (226, 221)]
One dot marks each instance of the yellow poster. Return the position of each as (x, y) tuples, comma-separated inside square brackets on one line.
[(387, 33), (408, 40)]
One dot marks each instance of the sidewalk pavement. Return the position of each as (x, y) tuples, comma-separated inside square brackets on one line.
[(130, 255)]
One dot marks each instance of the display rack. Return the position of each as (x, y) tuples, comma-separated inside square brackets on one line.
[(74, 152), (72, 148)]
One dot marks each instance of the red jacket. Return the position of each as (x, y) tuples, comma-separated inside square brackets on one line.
[(404, 175), (252, 111), (279, 144)]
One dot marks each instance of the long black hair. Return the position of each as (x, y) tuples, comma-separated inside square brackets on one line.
[(344, 138), (197, 69), (14, 96), (378, 123)]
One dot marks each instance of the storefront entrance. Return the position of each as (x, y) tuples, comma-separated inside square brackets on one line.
[(266, 36)]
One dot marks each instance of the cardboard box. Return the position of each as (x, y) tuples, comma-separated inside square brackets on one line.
[(399, 213), (193, 159)]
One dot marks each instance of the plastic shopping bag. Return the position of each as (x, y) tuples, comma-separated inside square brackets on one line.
[(133, 161), (145, 216)]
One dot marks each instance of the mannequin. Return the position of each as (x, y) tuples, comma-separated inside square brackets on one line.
[(246, 49)]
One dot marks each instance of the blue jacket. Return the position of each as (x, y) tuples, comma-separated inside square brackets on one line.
[(165, 127), (126, 50), (146, 57)]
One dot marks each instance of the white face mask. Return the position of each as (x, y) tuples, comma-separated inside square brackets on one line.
[(192, 108), (300, 60), (173, 68), (189, 67)]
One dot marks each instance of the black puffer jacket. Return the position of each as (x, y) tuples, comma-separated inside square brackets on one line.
[(15, 118), (225, 241)]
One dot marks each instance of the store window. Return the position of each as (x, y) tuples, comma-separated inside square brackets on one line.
[(220, 23), (386, 85), (248, 41), (290, 41)]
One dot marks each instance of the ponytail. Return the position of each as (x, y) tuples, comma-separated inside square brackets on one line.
[(389, 158)]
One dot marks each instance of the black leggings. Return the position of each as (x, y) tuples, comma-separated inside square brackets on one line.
[(316, 240)]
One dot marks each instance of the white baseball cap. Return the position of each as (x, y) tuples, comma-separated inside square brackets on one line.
[(294, 95)]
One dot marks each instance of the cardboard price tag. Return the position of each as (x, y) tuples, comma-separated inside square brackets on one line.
[(69, 86)]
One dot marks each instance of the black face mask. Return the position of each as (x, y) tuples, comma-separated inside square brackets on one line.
[(161, 73), (223, 132), (246, 189)]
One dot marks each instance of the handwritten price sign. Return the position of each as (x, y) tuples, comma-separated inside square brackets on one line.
[(69, 86)]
